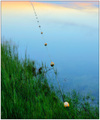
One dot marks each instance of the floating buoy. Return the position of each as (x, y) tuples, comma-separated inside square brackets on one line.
[(41, 32), (37, 21), (66, 104), (52, 64), (45, 44), (39, 26)]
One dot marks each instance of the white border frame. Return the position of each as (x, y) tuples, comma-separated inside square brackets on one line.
[(52, 0)]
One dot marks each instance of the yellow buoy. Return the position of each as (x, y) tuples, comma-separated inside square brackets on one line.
[(66, 104), (41, 32), (45, 44), (52, 64)]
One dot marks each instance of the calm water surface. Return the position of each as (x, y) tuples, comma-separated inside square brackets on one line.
[(71, 31)]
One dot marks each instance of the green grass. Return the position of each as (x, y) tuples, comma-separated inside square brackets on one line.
[(27, 95)]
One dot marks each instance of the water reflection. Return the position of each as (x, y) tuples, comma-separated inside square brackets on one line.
[(71, 31)]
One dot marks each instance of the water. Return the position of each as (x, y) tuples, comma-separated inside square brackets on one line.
[(72, 33)]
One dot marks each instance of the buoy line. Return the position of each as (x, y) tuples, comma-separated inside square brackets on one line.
[(66, 104), (36, 21), (42, 35)]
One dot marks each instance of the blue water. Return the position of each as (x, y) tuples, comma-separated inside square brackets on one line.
[(73, 44)]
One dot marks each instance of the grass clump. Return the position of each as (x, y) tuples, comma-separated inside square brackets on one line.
[(27, 95)]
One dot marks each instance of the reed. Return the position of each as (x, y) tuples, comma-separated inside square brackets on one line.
[(27, 95)]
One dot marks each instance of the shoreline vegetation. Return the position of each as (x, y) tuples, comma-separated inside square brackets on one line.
[(25, 93)]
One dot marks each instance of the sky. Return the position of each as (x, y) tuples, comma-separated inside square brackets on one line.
[(79, 5)]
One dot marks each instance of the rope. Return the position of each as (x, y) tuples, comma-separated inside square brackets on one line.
[(42, 34), (48, 52), (59, 85)]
